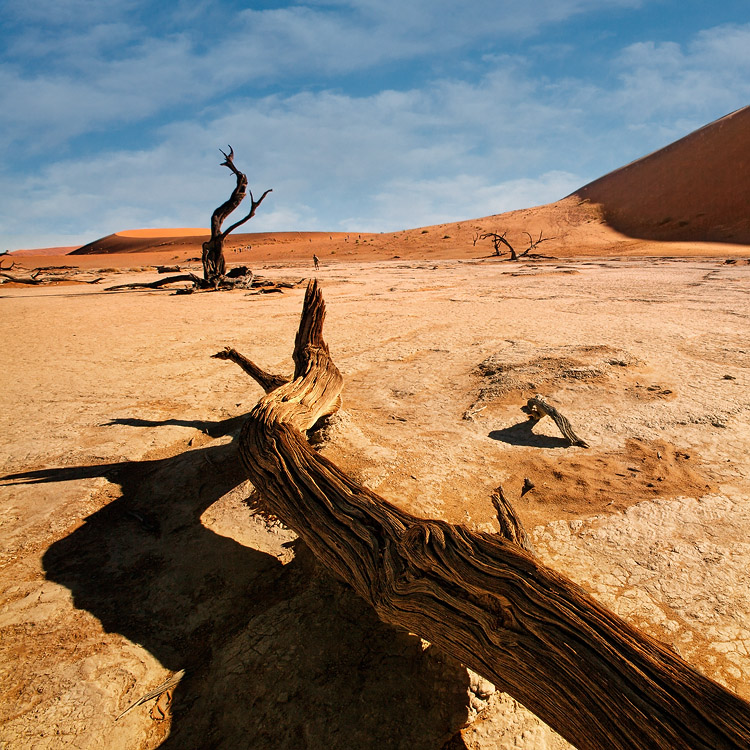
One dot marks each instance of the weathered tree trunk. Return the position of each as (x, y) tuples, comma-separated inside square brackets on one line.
[(482, 598), (214, 265)]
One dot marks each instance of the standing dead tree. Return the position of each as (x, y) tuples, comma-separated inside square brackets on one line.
[(214, 265), (483, 598), (215, 274)]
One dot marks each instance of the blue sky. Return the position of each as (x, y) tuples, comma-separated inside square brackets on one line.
[(373, 115)]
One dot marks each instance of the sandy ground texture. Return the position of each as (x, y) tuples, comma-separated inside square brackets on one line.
[(129, 553)]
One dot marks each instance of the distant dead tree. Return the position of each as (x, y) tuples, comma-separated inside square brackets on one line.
[(533, 244), (475, 238), (215, 274), (214, 265), (498, 240)]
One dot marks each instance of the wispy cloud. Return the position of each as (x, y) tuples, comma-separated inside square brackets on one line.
[(684, 83), (73, 67)]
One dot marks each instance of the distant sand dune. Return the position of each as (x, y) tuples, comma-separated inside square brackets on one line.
[(44, 251), (170, 232), (695, 189), (690, 194)]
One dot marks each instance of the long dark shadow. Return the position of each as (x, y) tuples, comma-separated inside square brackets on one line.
[(276, 656), (521, 434)]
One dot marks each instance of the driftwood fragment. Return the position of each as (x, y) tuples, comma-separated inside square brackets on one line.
[(537, 408), (155, 693), (482, 598)]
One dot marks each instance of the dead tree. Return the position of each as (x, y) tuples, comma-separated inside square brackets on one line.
[(38, 276), (498, 240), (215, 274), (483, 598), (533, 244), (214, 265)]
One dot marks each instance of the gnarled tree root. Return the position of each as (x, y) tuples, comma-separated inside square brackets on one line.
[(482, 598)]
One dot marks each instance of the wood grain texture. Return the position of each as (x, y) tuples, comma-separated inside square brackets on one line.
[(482, 598)]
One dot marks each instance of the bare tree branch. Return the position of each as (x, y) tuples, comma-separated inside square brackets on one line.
[(253, 209), (533, 244)]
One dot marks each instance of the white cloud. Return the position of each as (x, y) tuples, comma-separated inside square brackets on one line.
[(76, 66), (66, 12), (404, 204), (708, 75)]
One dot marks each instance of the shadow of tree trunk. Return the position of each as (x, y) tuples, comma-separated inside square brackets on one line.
[(276, 655)]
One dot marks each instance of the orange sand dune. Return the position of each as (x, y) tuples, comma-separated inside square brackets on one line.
[(44, 251), (695, 189), (157, 233), (190, 240)]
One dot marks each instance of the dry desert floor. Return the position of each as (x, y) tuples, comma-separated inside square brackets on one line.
[(129, 553)]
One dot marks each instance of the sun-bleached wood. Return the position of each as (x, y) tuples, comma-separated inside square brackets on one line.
[(482, 598), (537, 408)]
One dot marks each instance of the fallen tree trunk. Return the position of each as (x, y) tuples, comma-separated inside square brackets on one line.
[(482, 598), (36, 279), (158, 284), (229, 281)]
